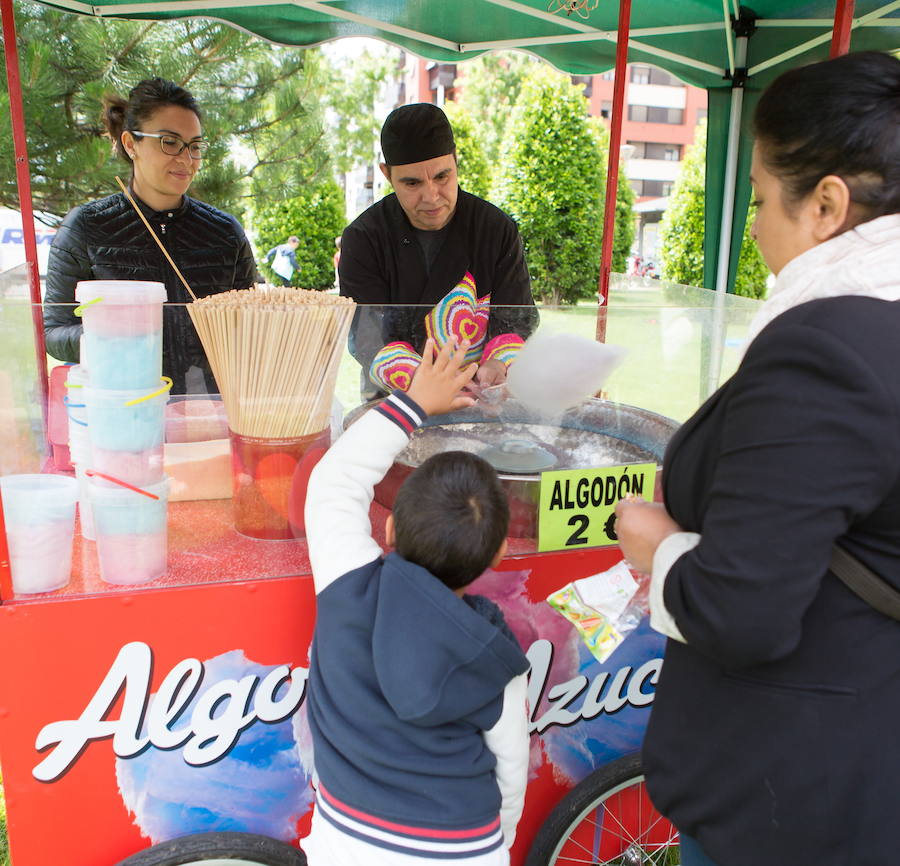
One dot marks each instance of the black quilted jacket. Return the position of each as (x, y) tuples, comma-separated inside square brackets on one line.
[(106, 240)]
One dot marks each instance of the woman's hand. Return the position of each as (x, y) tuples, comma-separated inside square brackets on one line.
[(440, 378), (641, 526)]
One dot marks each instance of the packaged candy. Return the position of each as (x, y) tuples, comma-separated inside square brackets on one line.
[(605, 608)]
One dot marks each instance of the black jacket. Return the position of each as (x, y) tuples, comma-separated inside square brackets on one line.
[(382, 263), (773, 736), (106, 240)]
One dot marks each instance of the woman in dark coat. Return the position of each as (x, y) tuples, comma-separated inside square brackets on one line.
[(773, 736), (157, 131)]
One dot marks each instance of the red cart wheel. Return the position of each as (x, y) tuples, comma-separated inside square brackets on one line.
[(607, 820), (218, 849)]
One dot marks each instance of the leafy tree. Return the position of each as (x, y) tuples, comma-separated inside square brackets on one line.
[(474, 171), (316, 216), (260, 105), (355, 100), (681, 230), (491, 85), (553, 184)]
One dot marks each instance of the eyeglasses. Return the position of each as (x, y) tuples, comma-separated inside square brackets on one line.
[(172, 145)]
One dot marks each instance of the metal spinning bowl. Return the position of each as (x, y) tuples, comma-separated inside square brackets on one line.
[(520, 445)]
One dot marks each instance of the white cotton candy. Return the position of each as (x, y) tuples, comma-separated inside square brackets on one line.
[(555, 371)]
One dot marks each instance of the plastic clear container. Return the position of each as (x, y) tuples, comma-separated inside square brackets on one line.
[(123, 322), (131, 531), (39, 513), (129, 420)]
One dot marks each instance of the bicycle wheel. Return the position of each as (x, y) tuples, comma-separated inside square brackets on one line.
[(606, 820), (218, 849)]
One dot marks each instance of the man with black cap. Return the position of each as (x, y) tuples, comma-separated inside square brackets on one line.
[(432, 244)]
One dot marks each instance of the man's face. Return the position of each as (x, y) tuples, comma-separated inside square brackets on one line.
[(427, 191)]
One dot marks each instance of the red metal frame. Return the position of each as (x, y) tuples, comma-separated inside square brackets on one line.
[(843, 24), (612, 166), (23, 181)]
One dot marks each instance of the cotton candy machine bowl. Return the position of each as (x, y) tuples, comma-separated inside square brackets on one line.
[(521, 444)]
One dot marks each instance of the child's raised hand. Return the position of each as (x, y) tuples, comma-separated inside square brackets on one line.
[(440, 378)]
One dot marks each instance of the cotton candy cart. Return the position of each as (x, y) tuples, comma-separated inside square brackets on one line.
[(137, 715)]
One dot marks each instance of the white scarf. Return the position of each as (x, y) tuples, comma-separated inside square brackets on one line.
[(862, 261)]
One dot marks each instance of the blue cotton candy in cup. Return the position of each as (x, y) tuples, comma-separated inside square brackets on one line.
[(555, 371)]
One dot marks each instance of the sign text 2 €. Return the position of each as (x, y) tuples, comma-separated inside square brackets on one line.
[(578, 505)]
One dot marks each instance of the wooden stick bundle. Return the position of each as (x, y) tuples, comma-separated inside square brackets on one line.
[(275, 353)]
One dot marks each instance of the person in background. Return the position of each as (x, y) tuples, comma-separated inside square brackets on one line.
[(283, 259), (417, 690), (434, 245), (157, 131), (773, 735)]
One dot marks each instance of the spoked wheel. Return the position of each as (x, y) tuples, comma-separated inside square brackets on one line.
[(607, 820), (218, 849)]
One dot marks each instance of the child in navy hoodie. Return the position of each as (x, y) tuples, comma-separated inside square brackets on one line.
[(416, 691)]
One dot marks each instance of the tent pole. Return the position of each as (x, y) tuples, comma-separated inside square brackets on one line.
[(843, 24), (23, 181), (612, 166), (729, 181)]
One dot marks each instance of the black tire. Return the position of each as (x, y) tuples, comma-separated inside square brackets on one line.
[(606, 814), (218, 849)]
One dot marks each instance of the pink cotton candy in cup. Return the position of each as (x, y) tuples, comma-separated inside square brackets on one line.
[(555, 371)]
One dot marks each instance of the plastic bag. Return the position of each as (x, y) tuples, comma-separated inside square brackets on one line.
[(605, 608)]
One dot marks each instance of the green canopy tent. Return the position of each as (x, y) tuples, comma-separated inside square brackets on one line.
[(730, 50), (712, 44)]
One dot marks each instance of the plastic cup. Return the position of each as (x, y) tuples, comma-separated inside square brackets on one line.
[(117, 426), (131, 532), (122, 331), (269, 478), (39, 512)]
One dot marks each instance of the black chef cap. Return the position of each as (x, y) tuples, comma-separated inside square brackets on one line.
[(414, 133)]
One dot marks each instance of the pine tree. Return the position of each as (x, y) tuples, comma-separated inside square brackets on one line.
[(260, 106)]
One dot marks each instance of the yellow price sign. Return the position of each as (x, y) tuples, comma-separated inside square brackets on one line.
[(577, 506)]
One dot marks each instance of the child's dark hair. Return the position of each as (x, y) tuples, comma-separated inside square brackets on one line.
[(451, 517), (840, 117), (145, 98)]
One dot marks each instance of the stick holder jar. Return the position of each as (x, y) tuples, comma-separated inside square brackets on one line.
[(269, 479)]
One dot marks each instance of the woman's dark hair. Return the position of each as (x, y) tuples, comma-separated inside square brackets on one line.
[(451, 517), (841, 117), (145, 98)]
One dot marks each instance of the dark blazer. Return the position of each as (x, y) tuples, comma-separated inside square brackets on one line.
[(106, 240), (383, 263), (774, 733)]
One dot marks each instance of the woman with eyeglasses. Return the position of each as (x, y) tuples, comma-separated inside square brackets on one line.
[(158, 132)]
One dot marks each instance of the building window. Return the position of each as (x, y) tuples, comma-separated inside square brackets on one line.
[(653, 150), (655, 114), (610, 75), (606, 108), (587, 81), (652, 188), (651, 75), (640, 74), (702, 114)]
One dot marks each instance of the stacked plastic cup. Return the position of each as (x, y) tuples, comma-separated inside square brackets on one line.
[(122, 332), (80, 443), (130, 525), (39, 513), (124, 398)]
